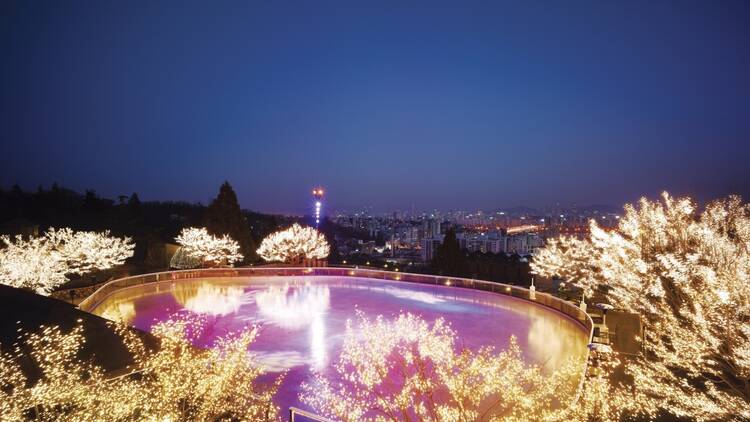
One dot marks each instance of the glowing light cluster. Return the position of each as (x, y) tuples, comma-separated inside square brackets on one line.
[(43, 263), (294, 245), (688, 275), (207, 248), (181, 260), (85, 251), (407, 369), (600, 400), (174, 383)]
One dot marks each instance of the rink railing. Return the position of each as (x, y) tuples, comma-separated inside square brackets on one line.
[(567, 308)]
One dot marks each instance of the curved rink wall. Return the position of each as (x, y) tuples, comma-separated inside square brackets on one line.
[(302, 311)]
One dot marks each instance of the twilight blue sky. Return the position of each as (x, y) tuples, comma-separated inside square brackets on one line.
[(449, 105)]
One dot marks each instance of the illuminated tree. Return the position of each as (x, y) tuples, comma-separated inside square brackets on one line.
[(600, 400), (181, 260), (688, 275), (64, 383), (407, 369), (43, 263), (209, 249), (86, 251), (294, 244), (177, 382)]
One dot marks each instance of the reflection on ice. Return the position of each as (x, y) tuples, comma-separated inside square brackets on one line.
[(119, 312), (547, 343), (295, 310), (318, 342), (298, 307), (281, 360), (303, 318), (413, 295), (209, 298)]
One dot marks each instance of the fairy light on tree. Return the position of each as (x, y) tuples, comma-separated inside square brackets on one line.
[(407, 369), (208, 249), (182, 260), (175, 382), (43, 263), (294, 245), (688, 275), (85, 251), (599, 400)]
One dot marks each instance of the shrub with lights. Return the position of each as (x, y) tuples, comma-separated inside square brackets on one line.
[(687, 273), (408, 369), (43, 263), (176, 382), (294, 245), (197, 245)]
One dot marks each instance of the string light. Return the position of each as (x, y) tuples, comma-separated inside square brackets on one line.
[(174, 382), (407, 369), (207, 248), (688, 275), (294, 244), (43, 263)]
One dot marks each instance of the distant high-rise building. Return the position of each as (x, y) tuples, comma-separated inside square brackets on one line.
[(523, 244), (431, 228), (430, 246)]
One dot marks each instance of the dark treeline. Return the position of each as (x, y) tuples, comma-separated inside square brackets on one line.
[(510, 269), (154, 223), (150, 224)]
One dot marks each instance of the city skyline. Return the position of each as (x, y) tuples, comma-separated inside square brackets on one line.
[(308, 207)]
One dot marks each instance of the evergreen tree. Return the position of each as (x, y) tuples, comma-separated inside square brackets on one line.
[(224, 216), (380, 239), (91, 202), (134, 201), (16, 191), (135, 209), (449, 258)]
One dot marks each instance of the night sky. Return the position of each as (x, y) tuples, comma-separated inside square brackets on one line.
[(448, 105)]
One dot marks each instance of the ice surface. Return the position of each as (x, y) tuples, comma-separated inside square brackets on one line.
[(302, 319)]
